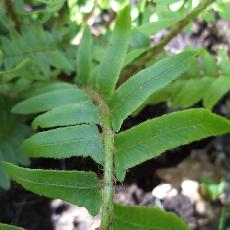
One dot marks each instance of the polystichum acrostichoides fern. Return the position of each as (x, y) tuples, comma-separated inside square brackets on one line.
[(72, 113)]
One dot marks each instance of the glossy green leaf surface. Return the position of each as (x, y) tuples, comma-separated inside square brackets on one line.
[(49, 100), (9, 227), (84, 57), (216, 91), (65, 115), (79, 188), (153, 137), (140, 218), (111, 64), (81, 140), (130, 95)]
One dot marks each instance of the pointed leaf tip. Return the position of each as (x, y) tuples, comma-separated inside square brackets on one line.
[(111, 64), (154, 137), (77, 187), (137, 89), (84, 57)]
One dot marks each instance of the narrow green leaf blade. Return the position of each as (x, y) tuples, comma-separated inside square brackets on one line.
[(9, 227), (151, 138), (79, 188), (81, 140), (65, 115), (140, 218), (49, 100), (129, 96), (84, 57), (216, 91), (111, 64), (151, 28)]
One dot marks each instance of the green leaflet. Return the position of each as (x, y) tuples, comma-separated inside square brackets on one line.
[(153, 137), (14, 72), (49, 100), (209, 64), (129, 96), (81, 140), (79, 188), (162, 95), (191, 92), (65, 115), (9, 227), (84, 57), (41, 46), (46, 87), (216, 91), (167, 93), (154, 27), (139, 39), (111, 64), (145, 218)]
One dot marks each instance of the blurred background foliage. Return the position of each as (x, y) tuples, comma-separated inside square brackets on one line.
[(39, 40)]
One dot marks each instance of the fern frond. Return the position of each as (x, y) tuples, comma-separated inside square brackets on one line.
[(41, 46)]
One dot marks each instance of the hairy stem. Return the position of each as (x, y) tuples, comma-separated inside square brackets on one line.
[(156, 49), (107, 205), (108, 139), (11, 11)]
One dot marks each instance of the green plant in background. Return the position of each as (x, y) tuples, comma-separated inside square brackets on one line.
[(9, 227), (25, 59), (212, 190), (72, 113), (12, 133), (223, 225), (206, 80)]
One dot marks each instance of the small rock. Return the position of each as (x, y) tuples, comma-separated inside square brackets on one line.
[(164, 190)]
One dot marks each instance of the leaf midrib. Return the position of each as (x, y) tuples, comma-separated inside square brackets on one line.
[(155, 136), (130, 93), (56, 185), (70, 141)]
